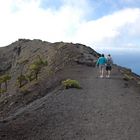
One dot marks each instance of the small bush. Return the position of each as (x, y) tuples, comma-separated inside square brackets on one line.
[(3, 90), (45, 63), (41, 62), (127, 77), (138, 82), (36, 67), (71, 84), (21, 80), (24, 90), (4, 79), (30, 76)]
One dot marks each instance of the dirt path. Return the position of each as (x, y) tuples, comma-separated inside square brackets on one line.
[(105, 109)]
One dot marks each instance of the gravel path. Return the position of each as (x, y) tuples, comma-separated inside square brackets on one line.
[(104, 109)]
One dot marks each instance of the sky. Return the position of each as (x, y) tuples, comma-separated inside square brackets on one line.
[(100, 24)]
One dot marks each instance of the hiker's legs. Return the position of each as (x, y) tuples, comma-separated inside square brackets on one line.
[(108, 71), (100, 70)]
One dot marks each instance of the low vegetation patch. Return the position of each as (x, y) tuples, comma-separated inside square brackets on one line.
[(2, 90), (21, 80), (32, 73), (127, 77), (4, 79), (24, 90), (71, 84), (36, 67), (138, 82)]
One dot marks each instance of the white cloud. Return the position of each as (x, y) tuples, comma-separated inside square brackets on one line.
[(26, 19), (108, 27)]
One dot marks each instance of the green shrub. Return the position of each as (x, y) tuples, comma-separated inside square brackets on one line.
[(45, 63), (24, 90), (138, 82), (4, 79), (127, 77), (36, 67), (21, 80), (2, 90), (71, 84), (30, 76), (41, 62)]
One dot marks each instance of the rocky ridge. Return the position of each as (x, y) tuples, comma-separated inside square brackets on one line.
[(16, 59), (42, 109)]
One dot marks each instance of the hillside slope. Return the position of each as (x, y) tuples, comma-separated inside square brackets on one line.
[(16, 60), (103, 109)]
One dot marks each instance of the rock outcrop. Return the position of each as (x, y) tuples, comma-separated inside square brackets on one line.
[(17, 58)]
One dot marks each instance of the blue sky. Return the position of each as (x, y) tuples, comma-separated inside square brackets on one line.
[(100, 24)]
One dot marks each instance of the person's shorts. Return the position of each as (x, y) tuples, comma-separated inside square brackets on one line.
[(101, 67), (108, 68)]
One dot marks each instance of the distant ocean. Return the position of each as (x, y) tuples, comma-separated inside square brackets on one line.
[(129, 59)]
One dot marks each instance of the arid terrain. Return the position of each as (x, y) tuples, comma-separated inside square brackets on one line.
[(41, 108)]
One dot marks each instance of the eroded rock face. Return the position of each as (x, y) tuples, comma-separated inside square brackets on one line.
[(58, 54), (17, 58)]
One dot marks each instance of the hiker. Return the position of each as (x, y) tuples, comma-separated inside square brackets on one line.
[(108, 65), (101, 63)]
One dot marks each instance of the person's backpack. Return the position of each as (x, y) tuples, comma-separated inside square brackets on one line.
[(109, 61)]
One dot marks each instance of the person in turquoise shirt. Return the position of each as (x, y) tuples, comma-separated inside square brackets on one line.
[(101, 62)]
